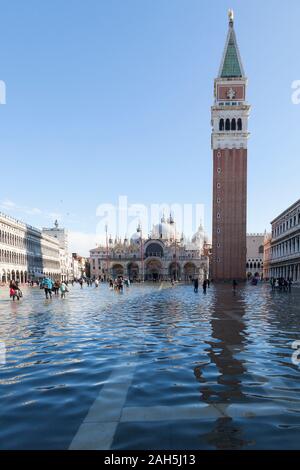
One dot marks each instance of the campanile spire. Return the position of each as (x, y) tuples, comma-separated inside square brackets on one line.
[(231, 63)]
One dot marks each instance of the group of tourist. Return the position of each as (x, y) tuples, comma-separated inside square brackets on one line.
[(281, 284), (114, 284), (205, 285), (15, 291), (47, 284), (56, 287), (61, 287), (89, 282), (118, 283)]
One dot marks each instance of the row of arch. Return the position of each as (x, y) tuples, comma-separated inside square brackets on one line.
[(154, 270), (13, 240), (20, 275), (11, 257), (7, 238), (254, 265), (21, 259), (230, 125)]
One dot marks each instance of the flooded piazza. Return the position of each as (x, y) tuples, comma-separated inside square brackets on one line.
[(156, 367)]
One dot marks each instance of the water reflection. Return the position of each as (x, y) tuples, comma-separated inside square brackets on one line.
[(221, 378)]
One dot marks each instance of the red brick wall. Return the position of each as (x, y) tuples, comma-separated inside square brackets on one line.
[(233, 212)]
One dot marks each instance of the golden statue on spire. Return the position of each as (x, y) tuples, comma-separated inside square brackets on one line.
[(230, 16)]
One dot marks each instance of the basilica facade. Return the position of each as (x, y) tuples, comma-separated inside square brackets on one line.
[(164, 255)]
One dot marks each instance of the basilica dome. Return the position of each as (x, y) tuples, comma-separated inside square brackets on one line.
[(165, 230), (199, 237), (135, 238)]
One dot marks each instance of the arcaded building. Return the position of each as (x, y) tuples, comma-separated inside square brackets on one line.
[(230, 114), (62, 236), (25, 252), (164, 255), (255, 254), (285, 244), (267, 256)]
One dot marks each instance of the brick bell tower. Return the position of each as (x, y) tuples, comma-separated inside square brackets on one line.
[(230, 114)]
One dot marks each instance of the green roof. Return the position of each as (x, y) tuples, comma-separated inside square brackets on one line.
[(231, 65)]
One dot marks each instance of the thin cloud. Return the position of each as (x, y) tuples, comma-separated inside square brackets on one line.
[(8, 205), (33, 211)]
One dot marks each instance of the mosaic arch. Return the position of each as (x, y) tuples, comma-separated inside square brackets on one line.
[(175, 271), (190, 271), (133, 271), (117, 270), (153, 270)]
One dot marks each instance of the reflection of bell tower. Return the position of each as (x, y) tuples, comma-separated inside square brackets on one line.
[(224, 348), (229, 144)]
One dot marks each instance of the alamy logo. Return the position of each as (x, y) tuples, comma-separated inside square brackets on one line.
[(296, 354), (123, 218), (2, 353), (296, 93), (2, 92)]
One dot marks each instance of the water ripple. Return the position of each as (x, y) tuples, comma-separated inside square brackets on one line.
[(227, 351)]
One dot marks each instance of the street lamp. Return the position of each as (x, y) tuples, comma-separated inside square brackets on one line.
[(139, 230)]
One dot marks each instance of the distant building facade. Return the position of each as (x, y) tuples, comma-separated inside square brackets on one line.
[(163, 256), (61, 235), (267, 256), (80, 266), (255, 254), (26, 253), (75, 267), (285, 244)]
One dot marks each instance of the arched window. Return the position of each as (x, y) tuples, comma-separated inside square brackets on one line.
[(154, 249), (233, 124), (227, 125), (221, 125), (239, 124)]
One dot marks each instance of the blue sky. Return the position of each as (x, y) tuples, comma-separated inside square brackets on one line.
[(109, 98)]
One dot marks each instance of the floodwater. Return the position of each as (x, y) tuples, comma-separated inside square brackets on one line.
[(173, 369)]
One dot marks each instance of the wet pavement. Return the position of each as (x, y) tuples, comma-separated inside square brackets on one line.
[(156, 367)]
